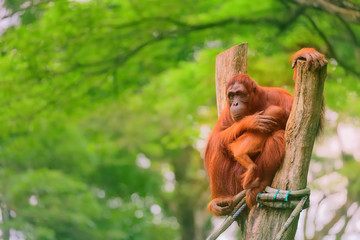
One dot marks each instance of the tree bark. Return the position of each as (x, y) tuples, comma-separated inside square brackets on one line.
[(229, 63), (301, 130)]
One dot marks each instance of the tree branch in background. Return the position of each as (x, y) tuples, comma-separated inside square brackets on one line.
[(23, 8), (296, 14), (189, 28), (331, 49), (349, 30), (186, 28), (353, 37), (160, 36), (348, 11)]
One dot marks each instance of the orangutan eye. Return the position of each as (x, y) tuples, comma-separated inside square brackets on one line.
[(241, 94)]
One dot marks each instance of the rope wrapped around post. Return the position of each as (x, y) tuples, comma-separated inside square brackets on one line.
[(274, 198)]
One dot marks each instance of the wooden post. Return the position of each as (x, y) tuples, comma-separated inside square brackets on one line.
[(229, 63), (264, 222)]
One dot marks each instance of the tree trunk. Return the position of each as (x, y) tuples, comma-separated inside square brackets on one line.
[(229, 63), (301, 130)]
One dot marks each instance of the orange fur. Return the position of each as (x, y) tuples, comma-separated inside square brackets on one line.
[(251, 144), (247, 153), (225, 173)]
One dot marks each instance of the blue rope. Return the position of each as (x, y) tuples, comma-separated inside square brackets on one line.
[(237, 213), (276, 194), (287, 196)]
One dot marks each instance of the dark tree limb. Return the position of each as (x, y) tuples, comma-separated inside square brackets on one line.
[(348, 11), (331, 49), (349, 31)]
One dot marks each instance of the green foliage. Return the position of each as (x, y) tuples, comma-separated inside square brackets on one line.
[(50, 199), (51, 145), (351, 170)]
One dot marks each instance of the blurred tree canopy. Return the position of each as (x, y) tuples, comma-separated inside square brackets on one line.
[(106, 104)]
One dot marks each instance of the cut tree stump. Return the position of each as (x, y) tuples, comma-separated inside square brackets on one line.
[(229, 63)]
